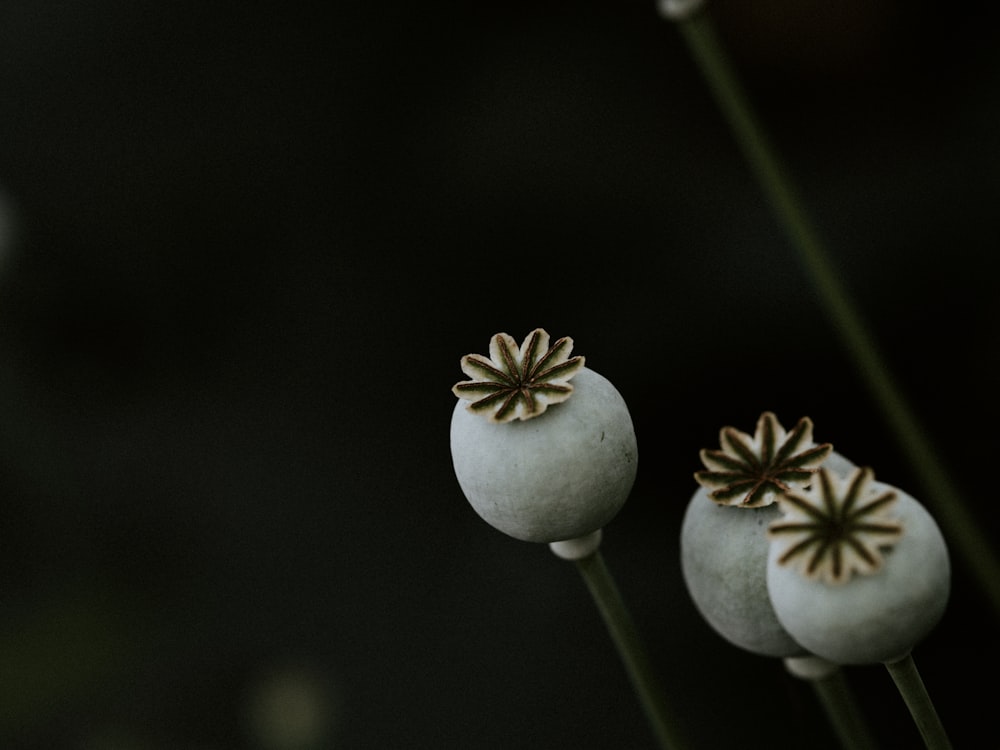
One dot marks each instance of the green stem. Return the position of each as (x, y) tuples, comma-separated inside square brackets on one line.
[(630, 648), (950, 510), (837, 700), (911, 687), (835, 696)]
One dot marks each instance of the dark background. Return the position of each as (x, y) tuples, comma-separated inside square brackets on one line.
[(243, 246)]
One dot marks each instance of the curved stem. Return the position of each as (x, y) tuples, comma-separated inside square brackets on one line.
[(953, 514), (630, 648), (911, 687)]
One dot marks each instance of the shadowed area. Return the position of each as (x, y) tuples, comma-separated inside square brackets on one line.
[(242, 250)]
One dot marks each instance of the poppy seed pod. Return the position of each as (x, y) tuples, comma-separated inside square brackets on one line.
[(858, 570), (724, 545), (723, 556), (538, 458)]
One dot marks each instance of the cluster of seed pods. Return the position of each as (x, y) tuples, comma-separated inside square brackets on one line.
[(788, 549)]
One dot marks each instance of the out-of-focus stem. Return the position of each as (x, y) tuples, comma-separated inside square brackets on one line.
[(958, 523), (842, 710)]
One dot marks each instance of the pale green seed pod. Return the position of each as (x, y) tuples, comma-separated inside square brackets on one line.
[(858, 571), (537, 458), (723, 561), (724, 545)]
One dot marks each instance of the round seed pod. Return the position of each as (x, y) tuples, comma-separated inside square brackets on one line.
[(723, 561), (564, 465), (858, 571), (724, 545)]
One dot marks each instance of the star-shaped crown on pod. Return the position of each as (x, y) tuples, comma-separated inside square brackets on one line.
[(518, 382), (751, 472), (836, 529)]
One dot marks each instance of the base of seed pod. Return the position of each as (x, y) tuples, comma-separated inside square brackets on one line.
[(579, 548), (809, 667), (561, 475)]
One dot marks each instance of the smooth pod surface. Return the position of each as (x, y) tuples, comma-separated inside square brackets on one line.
[(561, 475), (724, 564)]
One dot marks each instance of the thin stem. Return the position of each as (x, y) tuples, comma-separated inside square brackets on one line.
[(835, 696), (633, 654), (842, 710), (949, 508), (911, 687)]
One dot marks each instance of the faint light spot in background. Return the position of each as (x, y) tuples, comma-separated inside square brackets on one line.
[(293, 708)]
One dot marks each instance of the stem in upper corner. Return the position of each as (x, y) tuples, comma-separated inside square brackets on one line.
[(948, 504)]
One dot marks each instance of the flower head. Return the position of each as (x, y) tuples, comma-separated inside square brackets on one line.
[(518, 382), (752, 471), (836, 529)]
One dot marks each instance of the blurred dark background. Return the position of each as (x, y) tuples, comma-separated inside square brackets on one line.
[(242, 248)]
